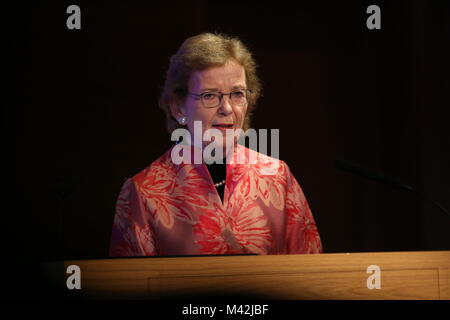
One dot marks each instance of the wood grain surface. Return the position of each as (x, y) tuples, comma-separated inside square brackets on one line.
[(404, 275)]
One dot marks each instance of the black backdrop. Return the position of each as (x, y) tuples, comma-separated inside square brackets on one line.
[(81, 114)]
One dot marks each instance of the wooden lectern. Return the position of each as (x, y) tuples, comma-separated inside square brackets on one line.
[(403, 275)]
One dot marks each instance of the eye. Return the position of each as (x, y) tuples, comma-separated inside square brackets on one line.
[(209, 96), (238, 94)]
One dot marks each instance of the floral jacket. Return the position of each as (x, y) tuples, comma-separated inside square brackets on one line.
[(174, 210)]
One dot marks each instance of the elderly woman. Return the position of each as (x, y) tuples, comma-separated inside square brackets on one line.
[(174, 208)]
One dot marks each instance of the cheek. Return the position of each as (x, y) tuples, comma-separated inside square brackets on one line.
[(241, 115), (205, 116)]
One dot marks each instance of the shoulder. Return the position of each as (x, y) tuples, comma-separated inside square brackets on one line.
[(266, 165), (160, 169)]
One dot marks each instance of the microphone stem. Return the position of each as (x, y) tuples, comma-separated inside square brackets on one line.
[(424, 196), (381, 178)]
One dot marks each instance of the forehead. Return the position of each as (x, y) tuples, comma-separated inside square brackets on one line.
[(223, 77)]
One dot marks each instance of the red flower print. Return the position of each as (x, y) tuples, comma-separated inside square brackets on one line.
[(244, 230), (252, 181), (302, 233), (137, 241), (123, 205), (157, 190)]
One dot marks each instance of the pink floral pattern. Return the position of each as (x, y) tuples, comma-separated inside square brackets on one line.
[(172, 210), (244, 230)]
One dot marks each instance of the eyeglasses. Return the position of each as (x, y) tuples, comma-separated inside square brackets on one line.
[(213, 99)]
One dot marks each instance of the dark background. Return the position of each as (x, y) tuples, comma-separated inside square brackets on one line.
[(81, 114)]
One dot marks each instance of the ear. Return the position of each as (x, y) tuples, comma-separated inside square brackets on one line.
[(176, 109)]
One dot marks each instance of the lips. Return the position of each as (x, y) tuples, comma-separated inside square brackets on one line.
[(223, 125)]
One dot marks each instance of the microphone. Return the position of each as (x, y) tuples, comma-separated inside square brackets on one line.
[(371, 174)]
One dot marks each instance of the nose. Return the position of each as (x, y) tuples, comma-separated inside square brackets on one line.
[(225, 107)]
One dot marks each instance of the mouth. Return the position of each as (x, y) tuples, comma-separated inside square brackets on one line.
[(223, 126)]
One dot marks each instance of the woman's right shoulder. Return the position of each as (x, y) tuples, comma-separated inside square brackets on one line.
[(161, 168)]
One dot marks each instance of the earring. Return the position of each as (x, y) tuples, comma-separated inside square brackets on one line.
[(182, 121)]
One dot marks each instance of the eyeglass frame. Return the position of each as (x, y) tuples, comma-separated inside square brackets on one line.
[(220, 95)]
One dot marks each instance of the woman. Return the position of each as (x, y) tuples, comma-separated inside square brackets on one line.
[(192, 208)]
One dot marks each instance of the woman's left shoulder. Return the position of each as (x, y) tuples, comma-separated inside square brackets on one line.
[(266, 164)]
